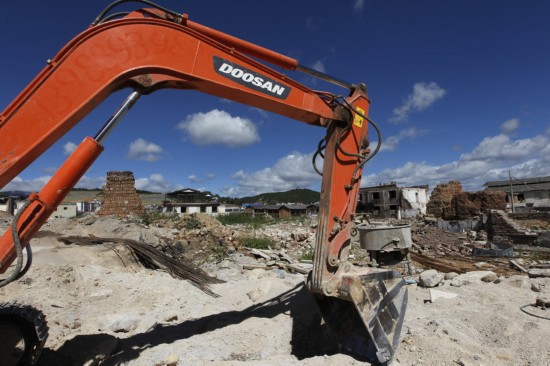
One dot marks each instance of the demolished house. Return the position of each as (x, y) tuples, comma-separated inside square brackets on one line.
[(390, 200), (527, 193), (449, 202), (284, 210), (190, 201), (119, 195)]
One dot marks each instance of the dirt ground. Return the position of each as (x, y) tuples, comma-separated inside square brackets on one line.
[(103, 308)]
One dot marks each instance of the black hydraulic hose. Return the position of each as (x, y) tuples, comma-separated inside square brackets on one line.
[(17, 272), (320, 147), (146, 2), (114, 15)]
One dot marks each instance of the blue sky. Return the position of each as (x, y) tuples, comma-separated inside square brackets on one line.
[(460, 89)]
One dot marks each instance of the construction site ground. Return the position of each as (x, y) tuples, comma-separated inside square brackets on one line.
[(105, 308)]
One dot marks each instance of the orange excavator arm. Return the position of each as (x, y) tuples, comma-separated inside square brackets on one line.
[(151, 49)]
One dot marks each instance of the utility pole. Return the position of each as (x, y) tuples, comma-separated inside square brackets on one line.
[(511, 191)]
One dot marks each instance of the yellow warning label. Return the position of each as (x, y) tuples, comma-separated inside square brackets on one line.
[(358, 120)]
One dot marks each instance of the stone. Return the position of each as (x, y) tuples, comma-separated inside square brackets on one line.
[(172, 360), (101, 294), (518, 281), (260, 291), (490, 277), (474, 276), (170, 317), (450, 275), (436, 294), (458, 282), (537, 272), (430, 278), (540, 284), (122, 323)]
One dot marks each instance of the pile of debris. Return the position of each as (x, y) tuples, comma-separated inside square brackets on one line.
[(441, 197), (119, 195), (450, 202), (429, 240)]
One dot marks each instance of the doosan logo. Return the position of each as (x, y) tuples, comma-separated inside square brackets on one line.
[(250, 78)]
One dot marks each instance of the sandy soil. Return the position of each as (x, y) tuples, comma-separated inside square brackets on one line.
[(103, 308)]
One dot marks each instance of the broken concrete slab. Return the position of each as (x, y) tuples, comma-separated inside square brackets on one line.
[(538, 272), (541, 284), (437, 294), (518, 281), (475, 276)]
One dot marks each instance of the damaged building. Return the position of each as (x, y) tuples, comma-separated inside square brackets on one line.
[(390, 200), (119, 195), (190, 201), (525, 193), (450, 202)]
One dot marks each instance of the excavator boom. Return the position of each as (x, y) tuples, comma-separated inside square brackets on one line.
[(154, 48)]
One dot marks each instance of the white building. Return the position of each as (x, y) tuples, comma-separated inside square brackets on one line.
[(414, 201), (389, 200), (64, 210)]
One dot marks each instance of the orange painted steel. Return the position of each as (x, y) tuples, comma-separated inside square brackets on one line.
[(131, 52), (147, 53), (47, 200)]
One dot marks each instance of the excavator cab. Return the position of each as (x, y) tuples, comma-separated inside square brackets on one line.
[(364, 306)]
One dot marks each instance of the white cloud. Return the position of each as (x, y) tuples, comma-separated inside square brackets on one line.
[(312, 24), (31, 185), (423, 96), (194, 179), (391, 143), (156, 183), (291, 171), (143, 150), (490, 160), (219, 127), (49, 170), (319, 66), (90, 182), (36, 184), (358, 6), (501, 148), (69, 147), (510, 126)]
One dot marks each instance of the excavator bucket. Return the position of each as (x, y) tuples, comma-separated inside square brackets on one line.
[(367, 316)]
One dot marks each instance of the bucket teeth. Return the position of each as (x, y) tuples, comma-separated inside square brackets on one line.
[(369, 322)]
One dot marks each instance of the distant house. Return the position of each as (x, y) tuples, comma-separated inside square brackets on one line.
[(527, 192), (282, 210), (9, 204), (65, 210), (88, 206), (389, 200), (227, 209), (190, 201)]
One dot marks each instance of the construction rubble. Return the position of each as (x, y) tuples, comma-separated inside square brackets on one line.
[(179, 290)]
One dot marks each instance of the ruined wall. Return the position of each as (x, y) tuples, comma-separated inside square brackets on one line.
[(441, 198), (465, 205), (119, 195), (500, 227)]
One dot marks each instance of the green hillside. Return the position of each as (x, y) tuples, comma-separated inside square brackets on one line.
[(77, 195), (305, 196)]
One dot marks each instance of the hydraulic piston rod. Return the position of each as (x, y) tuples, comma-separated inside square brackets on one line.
[(62, 182)]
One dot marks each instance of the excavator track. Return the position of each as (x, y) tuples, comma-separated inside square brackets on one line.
[(23, 332)]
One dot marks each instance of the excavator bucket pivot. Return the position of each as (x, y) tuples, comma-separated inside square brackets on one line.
[(367, 316)]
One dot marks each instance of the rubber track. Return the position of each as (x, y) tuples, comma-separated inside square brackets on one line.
[(34, 318)]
